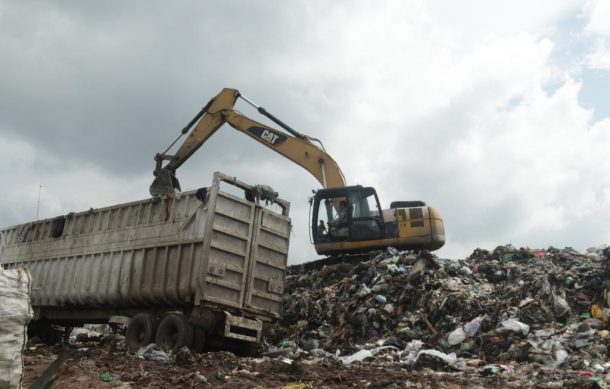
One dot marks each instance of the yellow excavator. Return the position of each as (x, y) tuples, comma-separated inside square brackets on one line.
[(344, 219)]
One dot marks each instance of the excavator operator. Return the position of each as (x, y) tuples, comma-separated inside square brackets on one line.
[(339, 226)]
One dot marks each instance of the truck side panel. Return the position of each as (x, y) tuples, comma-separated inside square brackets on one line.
[(136, 254)]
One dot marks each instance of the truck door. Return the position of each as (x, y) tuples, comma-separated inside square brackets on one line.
[(268, 259), (227, 243), (245, 252)]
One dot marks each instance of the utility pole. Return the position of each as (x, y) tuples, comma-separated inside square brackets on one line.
[(38, 206)]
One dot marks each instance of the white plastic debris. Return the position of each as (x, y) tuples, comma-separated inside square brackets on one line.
[(87, 332), (515, 326), (558, 355), (472, 327), (389, 308), (414, 345), (409, 354), (457, 336), (358, 356), (364, 354), (151, 352), (449, 359), (15, 313), (525, 302), (560, 305), (413, 351), (364, 290), (544, 333)]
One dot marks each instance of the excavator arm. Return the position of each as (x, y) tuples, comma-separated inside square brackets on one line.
[(297, 147)]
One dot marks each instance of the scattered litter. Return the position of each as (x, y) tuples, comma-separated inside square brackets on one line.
[(153, 352), (359, 356), (472, 327), (456, 337), (515, 326), (106, 377)]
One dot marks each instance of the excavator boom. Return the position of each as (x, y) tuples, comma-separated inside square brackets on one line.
[(295, 146)]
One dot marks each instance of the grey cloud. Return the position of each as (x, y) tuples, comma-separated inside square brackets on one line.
[(100, 83)]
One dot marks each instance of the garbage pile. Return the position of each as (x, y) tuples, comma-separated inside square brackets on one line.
[(491, 311)]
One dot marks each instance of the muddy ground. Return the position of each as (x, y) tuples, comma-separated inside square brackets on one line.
[(106, 365)]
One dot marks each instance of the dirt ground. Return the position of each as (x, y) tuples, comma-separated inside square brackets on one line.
[(106, 365)]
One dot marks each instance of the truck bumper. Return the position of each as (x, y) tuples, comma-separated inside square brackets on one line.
[(242, 328)]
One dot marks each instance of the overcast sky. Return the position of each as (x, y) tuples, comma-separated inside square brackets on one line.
[(495, 113)]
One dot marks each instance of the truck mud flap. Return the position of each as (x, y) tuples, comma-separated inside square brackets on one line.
[(241, 328)]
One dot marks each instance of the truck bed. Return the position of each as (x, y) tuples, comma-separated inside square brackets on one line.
[(225, 252)]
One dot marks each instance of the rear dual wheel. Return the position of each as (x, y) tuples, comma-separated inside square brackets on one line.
[(173, 332), (141, 331)]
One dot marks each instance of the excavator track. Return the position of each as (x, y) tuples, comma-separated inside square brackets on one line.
[(318, 264)]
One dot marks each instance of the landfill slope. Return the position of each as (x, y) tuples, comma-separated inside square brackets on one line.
[(493, 312)]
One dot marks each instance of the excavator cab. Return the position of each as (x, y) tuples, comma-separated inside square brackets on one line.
[(349, 220), (346, 214)]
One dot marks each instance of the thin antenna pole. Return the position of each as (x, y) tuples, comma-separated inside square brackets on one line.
[(38, 206)]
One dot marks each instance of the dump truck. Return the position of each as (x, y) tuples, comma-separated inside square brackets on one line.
[(182, 269)]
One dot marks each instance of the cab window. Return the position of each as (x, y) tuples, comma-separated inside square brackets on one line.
[(366, 219), (332, 219), (364, 204)]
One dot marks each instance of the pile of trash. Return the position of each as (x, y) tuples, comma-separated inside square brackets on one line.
[(492, 311)]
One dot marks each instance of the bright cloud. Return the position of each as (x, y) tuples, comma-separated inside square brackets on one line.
[(598, 28)]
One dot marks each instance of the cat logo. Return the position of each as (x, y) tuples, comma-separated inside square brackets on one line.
[(273, 138), (269, 136)]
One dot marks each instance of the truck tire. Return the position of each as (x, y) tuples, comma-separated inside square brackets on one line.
[(140, 331), (174, 332)]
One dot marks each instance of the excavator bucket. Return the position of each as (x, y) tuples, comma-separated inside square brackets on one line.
[(164, 182)]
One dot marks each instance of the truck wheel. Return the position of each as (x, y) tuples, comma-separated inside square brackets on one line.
[(140, 331), (174, 332)]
